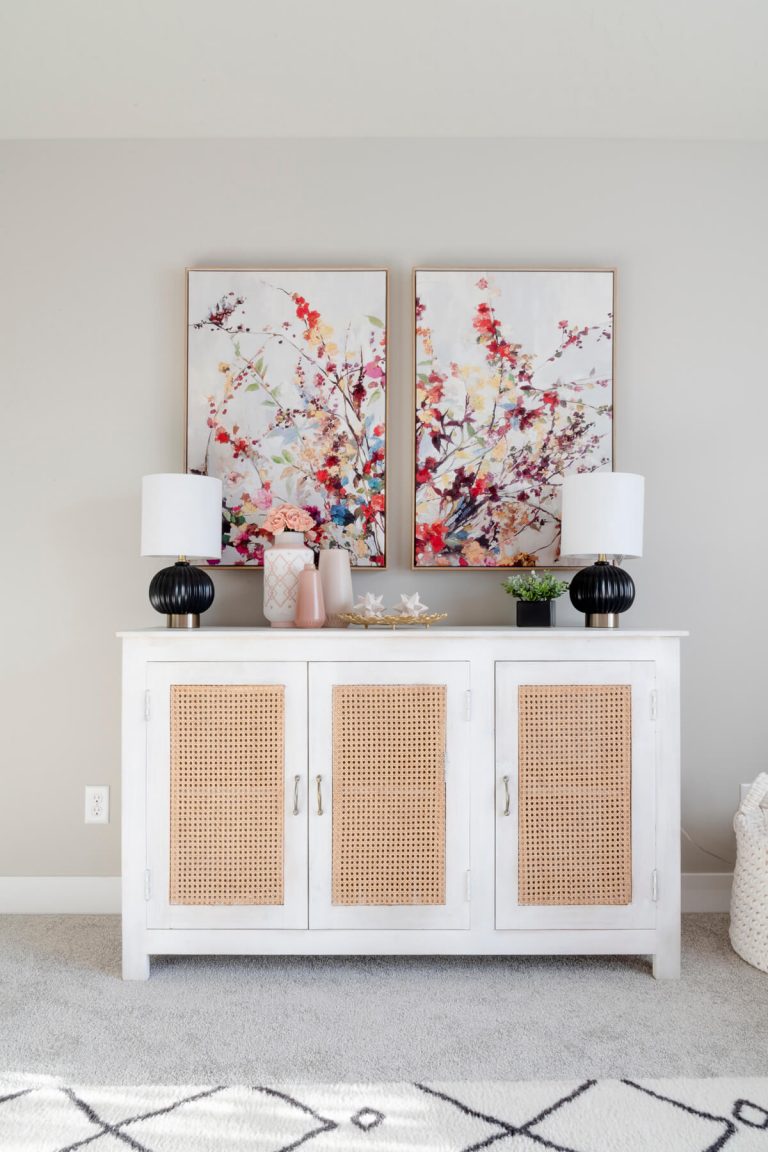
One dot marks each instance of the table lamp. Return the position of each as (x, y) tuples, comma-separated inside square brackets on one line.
[(181, 516), (602, 516)]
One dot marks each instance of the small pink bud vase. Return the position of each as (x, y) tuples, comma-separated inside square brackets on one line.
[(336, 579), (310, 609), (283, 562)]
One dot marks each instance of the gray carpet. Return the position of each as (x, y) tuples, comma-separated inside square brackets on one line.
[(64, 1011)]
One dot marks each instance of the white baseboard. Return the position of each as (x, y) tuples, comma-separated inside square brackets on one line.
[(60, 894), (707, 891), (702, 892)]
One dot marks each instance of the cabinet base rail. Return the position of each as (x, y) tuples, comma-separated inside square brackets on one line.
[(137, 953)]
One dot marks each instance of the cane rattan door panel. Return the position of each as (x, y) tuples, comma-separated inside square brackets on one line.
[(575, 794), (576, 748), (388, 794), (227, 794)]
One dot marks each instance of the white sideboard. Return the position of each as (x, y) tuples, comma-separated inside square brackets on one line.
[(494, 791)]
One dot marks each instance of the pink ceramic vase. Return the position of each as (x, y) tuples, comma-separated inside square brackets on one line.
[(310, 608), (336, 579)]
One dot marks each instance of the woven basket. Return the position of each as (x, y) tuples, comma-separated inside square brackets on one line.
[(749, 900)]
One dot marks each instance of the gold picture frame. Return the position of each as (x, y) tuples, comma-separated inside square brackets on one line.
[(352, 509), (485, 272)]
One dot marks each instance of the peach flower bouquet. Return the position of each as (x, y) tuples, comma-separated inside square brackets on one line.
[(287, 518)]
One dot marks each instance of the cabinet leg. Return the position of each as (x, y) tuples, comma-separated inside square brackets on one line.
[(666, 964), (135, 964)]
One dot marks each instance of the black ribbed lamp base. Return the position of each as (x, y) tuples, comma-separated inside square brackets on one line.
[(602, 592), (181, 593)]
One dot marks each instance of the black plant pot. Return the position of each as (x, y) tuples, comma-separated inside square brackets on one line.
[(535, 613)]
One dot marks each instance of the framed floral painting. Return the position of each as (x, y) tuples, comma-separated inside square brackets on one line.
[(286, 402), (513, 390)]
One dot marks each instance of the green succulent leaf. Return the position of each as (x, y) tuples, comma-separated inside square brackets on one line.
[(535, 587)]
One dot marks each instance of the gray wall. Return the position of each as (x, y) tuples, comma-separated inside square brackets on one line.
[(94, 241)]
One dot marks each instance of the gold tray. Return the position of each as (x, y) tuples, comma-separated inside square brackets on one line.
[(394, 620)]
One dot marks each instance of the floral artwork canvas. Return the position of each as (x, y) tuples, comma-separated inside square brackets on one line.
[(286, 403), (514, 390)]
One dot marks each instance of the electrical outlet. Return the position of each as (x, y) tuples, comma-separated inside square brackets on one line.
[(97, 804)]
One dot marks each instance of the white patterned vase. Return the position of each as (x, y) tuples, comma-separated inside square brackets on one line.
[(287, 557)]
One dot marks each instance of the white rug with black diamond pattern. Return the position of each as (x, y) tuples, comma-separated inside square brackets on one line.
[(42, 1114)]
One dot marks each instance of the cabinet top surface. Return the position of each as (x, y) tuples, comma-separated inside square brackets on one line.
[(281, 635)]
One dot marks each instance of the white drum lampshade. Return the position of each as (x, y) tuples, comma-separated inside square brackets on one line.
[(181, 516), (602, 515)]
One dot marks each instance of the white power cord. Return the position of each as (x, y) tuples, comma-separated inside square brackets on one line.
[(706, 851)]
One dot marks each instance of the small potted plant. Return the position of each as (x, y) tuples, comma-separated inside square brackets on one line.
[(535, 597)]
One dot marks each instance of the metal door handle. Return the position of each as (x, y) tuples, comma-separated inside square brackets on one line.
[(319, 781), (296, 782), (505, 779)]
